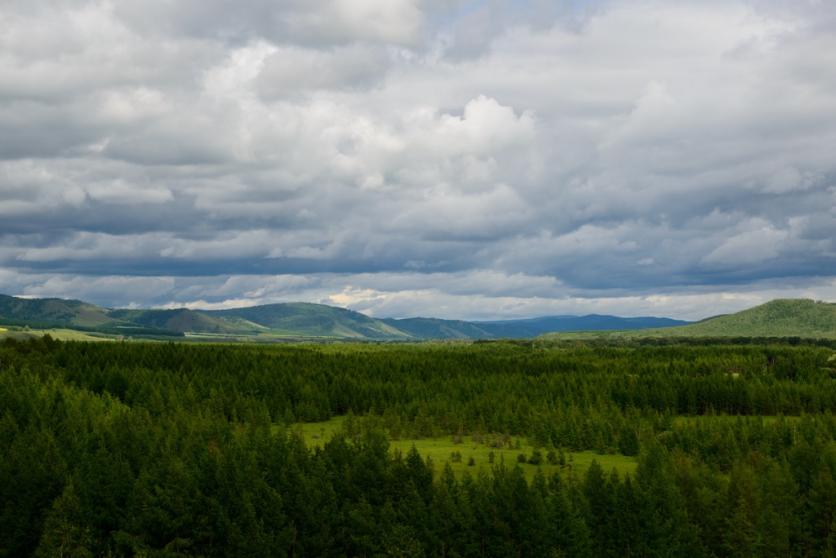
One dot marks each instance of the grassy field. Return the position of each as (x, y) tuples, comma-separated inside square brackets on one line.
[(442, 449), (58, 333)]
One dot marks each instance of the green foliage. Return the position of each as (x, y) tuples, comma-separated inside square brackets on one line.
[(116, 449)]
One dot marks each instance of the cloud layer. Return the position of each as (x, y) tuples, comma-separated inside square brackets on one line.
[(401, 157)]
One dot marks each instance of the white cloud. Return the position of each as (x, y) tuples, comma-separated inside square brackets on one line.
[(636, 147), (754, 246), (288, 71)]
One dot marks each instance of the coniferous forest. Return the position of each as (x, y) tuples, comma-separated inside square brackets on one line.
[(164, 449)]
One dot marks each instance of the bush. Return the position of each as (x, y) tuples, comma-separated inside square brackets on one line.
[(551, 457), (536, 458)]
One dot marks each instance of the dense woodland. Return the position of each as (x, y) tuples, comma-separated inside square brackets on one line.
[(168, 449)]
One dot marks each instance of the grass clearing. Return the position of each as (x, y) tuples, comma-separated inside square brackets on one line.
[(59, 334), (72, 335), (445, 449)]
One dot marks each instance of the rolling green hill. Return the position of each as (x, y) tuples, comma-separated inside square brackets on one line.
[(52, 311), (273, 322), (778, 318), (183, 320), (312, 320)]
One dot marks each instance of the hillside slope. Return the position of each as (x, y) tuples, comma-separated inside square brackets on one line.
[(314, 320), (183, 320), (286, 321), (52, 312), (777, 318)]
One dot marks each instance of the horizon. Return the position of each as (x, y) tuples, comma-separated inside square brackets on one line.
[(459, 160), (419, 316)]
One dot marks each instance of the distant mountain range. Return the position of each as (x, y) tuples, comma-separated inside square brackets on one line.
[(433, 328), (290, 321), (778, 318)]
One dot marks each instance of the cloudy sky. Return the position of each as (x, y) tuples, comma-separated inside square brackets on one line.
[(470, 159)]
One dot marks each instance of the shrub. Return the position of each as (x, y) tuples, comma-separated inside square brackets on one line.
[(536, 458), (551, 457)]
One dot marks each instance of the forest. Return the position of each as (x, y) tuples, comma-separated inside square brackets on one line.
[(172, 449)]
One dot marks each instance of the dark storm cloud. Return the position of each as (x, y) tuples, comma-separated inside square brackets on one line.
[(636, 157)]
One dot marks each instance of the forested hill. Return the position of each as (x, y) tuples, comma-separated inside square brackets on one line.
[(290, 321), (777, 318), (68, 313), (315, 320)]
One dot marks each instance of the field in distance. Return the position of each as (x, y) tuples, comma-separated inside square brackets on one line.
[(60, 334), (477, 454)]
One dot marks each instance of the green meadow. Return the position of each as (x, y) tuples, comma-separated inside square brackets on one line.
[(59, 334), (474, 454)]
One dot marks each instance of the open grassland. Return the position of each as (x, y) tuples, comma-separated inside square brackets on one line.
[(476, 454), (72, 335), (59, 334)]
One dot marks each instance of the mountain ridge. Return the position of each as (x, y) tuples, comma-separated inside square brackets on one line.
[(794, 317), (291, 320)]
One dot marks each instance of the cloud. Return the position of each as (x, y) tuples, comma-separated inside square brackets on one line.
[(760, 243), (606, 150), (305, 21), (289, 71)]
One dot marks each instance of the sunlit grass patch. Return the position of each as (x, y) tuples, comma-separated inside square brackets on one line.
[(464, 454)]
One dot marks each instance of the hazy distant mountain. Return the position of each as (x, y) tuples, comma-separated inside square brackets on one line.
[(778, 318), (592, 322), (288, 321), (435, 328)]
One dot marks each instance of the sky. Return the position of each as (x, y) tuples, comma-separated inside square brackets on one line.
[(448, 158)]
